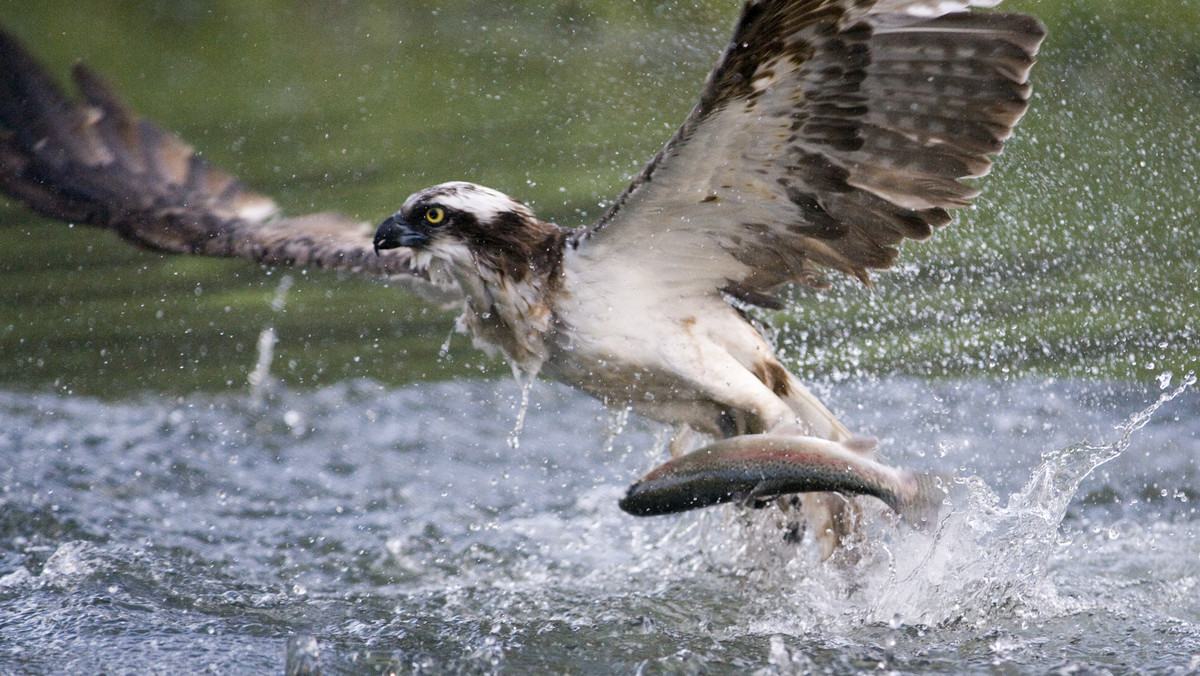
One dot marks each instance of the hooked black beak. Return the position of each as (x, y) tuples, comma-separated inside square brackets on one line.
[(395, 232)]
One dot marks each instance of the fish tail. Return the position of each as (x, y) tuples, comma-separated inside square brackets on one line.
[(925, 495)]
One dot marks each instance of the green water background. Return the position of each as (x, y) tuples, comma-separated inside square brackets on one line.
[(1080, 259)]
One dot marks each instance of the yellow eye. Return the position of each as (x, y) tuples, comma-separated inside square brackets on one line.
[(435, 215)]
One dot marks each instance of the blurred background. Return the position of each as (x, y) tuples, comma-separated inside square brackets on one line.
[(1079, 259)]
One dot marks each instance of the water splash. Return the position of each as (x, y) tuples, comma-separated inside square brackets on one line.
[(410, 555), (617, 421), (303, 656), (526, 383), (983, 556), (444, 350), (984, 559), (1053, 485), (260, 377)]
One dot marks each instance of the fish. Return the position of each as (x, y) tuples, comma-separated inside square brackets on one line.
[(756, 467)]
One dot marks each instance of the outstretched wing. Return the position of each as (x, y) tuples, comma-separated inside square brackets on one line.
[(829, 131), (95, 163)]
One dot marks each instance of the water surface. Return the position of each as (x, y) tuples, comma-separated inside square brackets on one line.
[(1079, 260), (401, 530)]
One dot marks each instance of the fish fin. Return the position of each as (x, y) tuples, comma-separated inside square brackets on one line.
[(862, 446), (763, 494)]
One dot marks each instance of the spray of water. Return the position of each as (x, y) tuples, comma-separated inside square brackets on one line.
[(984, 557), (260, 377), (514, 437)]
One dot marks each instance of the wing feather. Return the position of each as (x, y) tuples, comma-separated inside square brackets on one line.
[(829, 131), (93, 162)]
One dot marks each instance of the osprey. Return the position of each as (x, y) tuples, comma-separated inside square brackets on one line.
[(828, 132)]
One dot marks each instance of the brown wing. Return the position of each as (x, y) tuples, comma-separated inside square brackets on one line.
[(829, 131), (93, 162)]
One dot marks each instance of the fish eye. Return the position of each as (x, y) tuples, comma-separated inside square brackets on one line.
[(435, 215)]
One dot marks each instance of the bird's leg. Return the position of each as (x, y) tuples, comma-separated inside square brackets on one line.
[(789, 429), (685, 440), (816, 419), (833, 518)]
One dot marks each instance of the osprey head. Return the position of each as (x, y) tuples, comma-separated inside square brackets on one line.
[(454, 221)]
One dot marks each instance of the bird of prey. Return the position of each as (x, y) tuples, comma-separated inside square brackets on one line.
[(828, 132)]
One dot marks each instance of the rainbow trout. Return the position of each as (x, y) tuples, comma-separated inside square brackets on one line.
[(759, 466)]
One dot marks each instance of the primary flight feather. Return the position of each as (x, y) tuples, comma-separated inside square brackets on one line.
[(828, 132)]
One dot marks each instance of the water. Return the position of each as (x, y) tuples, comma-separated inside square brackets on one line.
[(1079, 259), (400, 530)]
